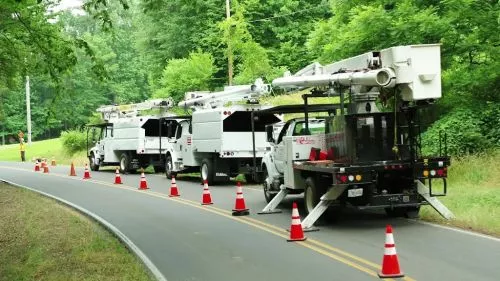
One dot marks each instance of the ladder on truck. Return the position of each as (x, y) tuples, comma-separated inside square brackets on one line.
[(206, 100)]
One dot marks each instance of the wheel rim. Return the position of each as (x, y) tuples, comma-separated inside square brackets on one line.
[(309, 199), (204, 171), (122, 164), (265, 185), (92, 164)]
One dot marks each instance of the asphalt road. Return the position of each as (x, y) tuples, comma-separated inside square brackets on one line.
[(187, 241)]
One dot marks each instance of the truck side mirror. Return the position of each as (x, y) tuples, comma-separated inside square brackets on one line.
[(269, 133)]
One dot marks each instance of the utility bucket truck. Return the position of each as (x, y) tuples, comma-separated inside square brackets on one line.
[(363, 158), (129, 139), (217, 138)]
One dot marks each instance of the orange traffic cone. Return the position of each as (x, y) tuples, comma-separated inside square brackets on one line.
[(390, 263), (72, 172), (118, 179), (207, 198), (46, 169), (174, 192), (143, 184), (53, 163), (239, 206), (37, 166), (86, 174), (296, 231)]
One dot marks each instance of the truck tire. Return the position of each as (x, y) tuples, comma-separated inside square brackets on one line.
[(93, 166), (124, 163), (311, 195), (169, 166), (207, 171), (267, 194)]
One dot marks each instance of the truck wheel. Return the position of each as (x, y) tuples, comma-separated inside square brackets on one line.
[(207, 171), (267, 193), (311, 195), (169, 167), (93, 166), (412, 212), (124, 163)]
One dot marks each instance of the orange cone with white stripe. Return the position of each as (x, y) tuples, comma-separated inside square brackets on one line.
[(46, 169), (37, 166), (390, 263), (86, 173), (174, 192), (207, 198), (118, 179), (143, 184), (296, 231), (239, 206)]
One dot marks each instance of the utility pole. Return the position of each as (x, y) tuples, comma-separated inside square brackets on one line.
[(28, 109), (229, 48)]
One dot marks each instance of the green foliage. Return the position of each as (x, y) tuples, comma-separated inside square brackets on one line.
[(74, 141), (490, 120), (463, 130), (183, 75)]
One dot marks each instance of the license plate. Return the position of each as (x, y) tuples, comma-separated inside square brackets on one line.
[(356, 192)]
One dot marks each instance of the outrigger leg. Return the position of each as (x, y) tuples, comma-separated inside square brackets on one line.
[(270, 208), (331, 195), (433, 201)]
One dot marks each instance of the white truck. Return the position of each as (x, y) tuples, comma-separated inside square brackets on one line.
[(217, 138), (365, 158), (127, 139)]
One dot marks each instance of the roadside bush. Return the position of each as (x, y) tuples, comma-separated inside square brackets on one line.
[(73, 141), (490, 121), (464, 134)]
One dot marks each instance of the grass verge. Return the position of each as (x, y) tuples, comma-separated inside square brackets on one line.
[(44, 240), (44, 149), (473, 194)]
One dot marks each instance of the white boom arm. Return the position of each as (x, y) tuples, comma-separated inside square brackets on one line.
[(414, 69), (230, 93), (130, 110)]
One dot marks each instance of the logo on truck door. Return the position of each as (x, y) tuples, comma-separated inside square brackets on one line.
[(304, 140), (188, 140)]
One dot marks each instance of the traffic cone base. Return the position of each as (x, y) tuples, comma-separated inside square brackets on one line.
[(207, 198), (390, 263), (174, 191), (296, 231)]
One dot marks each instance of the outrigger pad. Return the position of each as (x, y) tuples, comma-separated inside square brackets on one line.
[(275, 211)]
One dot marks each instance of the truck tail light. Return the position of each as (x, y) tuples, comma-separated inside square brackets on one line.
[(341, 178)]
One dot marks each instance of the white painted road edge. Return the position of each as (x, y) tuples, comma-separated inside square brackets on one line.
[(124, 239), (463, 231)]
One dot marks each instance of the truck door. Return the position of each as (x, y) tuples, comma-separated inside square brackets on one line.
[(279, 155), (184, 143)]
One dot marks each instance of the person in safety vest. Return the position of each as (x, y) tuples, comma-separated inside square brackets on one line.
[(22, 148)]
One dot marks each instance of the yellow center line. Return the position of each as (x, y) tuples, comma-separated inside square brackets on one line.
[(314, 245)]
